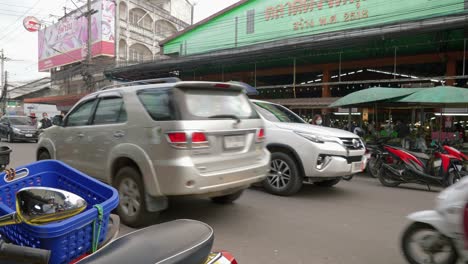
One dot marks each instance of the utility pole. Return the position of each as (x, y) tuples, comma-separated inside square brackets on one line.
[(4, 93), (90, 41), (2, 66), (86, 73)]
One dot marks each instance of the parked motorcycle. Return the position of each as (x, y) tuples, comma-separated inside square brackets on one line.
[(439, 168), (175, 242), (440, 235), (456, 153), (376, 152)]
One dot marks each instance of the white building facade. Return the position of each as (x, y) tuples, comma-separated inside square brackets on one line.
[(142, 24)]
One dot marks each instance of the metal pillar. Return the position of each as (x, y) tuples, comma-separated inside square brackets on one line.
[(294, 78), (339, 69), (349, 119), (464, 56), (255, 75)]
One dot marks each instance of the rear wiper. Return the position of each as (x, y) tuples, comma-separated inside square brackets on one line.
[(227, 116)]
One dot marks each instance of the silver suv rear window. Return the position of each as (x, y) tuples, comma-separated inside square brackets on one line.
[(207, 103), (159, 104)]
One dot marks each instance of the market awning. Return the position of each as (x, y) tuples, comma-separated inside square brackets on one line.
[(444, 95), (373, 95)]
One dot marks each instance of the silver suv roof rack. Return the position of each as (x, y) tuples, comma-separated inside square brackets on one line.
[(147, 81)]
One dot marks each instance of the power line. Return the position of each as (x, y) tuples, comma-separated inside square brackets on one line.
[(6, 34)]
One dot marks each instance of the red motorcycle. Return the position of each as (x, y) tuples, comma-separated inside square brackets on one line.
[(456, 153), (444, 167)]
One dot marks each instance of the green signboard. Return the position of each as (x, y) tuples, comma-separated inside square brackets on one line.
[(260, 21)]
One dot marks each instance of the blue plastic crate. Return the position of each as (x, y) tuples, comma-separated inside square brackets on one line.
[(67, 239)]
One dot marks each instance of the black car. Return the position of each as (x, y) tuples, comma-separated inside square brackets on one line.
[(18, 128)]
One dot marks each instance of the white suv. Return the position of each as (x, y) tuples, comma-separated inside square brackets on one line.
[(304, 153)]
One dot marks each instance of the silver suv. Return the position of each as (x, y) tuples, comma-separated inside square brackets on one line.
[(157, 140), (304, 153)]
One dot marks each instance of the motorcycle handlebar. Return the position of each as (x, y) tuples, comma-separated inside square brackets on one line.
[(23, 254)]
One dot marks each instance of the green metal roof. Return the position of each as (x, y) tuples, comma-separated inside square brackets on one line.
[(373, 95), (438, 95)]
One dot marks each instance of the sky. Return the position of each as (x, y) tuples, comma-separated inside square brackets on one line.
[(21, 46)]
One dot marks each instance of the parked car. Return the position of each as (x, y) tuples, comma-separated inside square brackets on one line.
[(157, 140), (17, 128), (304, 153)]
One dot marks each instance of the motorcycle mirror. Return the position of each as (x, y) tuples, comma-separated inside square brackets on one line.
[(43, 205)]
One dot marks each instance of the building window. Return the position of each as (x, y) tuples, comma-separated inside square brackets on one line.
[(139, 53), (164, 28), (122, 49), (140, 18), (123, 11), (251, 21)]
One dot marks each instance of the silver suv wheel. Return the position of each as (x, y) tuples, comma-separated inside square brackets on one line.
[(130, 200)]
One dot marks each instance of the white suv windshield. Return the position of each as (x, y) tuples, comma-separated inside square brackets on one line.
[(206, 103), (277, 113)]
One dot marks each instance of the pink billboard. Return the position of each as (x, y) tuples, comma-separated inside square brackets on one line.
[(66, 41)]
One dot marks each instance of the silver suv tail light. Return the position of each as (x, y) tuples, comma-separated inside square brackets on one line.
[(186, 140)]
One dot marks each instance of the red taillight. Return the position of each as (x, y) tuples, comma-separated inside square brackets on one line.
[(177, 137), (222, 85), (198, 137), (180, 140), (199, 140), (261, 135)]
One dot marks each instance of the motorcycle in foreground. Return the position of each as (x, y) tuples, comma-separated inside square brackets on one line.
[(440, 236), (176, 242), (439, 168)]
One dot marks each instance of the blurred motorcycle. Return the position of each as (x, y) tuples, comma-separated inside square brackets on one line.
[(440, 235)]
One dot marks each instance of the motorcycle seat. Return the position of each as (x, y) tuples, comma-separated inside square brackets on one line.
[(419, 155), (179, 241)]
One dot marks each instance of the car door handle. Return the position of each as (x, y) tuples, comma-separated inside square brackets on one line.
[(80, 135), (119, 134)]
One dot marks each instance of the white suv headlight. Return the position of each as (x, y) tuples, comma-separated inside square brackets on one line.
[(318, 138)]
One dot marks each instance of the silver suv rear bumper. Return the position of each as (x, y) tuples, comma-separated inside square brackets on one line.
[(187, 180)]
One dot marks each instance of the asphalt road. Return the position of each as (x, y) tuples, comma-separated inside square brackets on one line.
[(356, 222)]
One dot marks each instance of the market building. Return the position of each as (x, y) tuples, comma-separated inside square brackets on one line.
[(307, 53)]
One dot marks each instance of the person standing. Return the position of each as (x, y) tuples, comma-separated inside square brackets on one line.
[(58, 119), (45, 121), (33, 119), (317, 120), (403, 132)]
